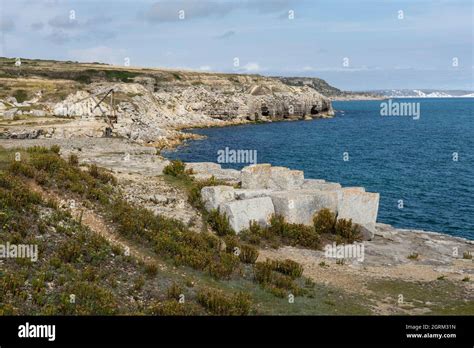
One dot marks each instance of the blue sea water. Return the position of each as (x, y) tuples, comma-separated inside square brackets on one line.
[(397, 156)]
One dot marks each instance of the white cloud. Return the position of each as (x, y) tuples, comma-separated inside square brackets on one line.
[(205, 68)]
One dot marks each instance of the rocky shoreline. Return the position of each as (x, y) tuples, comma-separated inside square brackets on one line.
[(152, 112), (391, 254)]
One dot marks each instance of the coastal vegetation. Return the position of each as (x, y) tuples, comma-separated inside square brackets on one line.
[(153, 265)]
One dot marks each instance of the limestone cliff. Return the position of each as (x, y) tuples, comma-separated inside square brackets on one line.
[(150, 103)]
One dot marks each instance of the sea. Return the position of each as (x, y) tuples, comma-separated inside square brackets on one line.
[(417, 153)]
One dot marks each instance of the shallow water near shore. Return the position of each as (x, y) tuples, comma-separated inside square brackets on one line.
[(402, 158)]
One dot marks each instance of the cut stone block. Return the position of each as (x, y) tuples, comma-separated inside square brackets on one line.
[(213, 196), (242, 212), (264, 176), (282, 178), (299, 206), (256, 176), (361, 207), (246, 194)]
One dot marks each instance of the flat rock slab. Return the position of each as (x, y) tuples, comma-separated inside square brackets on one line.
[(242, 212)]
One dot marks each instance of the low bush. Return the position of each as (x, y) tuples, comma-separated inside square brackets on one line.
[(219, 304), (151, 269), (171, 307), (219, 223), (176, 168), (224, 266), (248, 253), (324, 222), (288, 267), (174, 292), (348, 231), (280, 232), (277, 283), (20, 95), (73, 160)]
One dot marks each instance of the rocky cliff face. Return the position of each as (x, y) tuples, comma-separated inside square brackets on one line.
[(151, 103)]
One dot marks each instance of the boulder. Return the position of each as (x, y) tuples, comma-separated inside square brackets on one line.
[(213, 196), (38, 113), (360, 206), (242, 212), (10, 113)]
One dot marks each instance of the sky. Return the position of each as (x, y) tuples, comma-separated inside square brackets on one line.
[(353, 45)]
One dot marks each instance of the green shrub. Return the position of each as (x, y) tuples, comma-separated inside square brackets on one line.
[(277, 283), (288, 267), (20, 95), (73, 160), (21, 168), (174, 292), (324, 222), (219, 304), (151, 269), (348, 231), (171, 307), (219, 223), (56, 149), (224, 267), (248, 253), (102, 175), (176, 168)]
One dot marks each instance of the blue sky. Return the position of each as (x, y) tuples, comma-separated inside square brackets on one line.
[(382, 49)]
